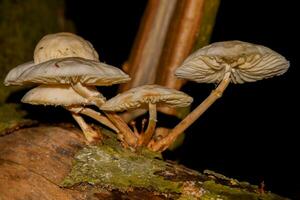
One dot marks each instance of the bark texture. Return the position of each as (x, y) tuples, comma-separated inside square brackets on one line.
[(35, 161)]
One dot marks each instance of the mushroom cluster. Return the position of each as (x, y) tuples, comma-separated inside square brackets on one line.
[(67, 70)]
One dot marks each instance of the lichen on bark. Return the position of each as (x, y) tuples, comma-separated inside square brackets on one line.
[(109, 166)]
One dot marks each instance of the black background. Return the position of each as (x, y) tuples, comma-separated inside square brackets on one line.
[(251, 133)]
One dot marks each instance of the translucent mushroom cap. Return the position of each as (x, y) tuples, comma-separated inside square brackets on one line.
[(143, 95), (57, 95), (62, 45), (72, 70), (14, 74), (247, 63)]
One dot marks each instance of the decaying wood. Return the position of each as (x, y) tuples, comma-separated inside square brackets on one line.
[(145, 54), (34, 161)]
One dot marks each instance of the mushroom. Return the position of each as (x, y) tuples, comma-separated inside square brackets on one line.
[(80, 73), (62, 45), (52, 46), (67, 59), (61, 95), (222, 63), (147, 96)]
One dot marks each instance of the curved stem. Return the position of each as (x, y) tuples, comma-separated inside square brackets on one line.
[(95, 115), (193, 116), (160, 133), (147, 135), (125, 131), (93, 96), (135, 131), (144, 121), (90, 134)]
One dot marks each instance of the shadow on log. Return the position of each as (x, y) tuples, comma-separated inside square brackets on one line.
[(53, 162)]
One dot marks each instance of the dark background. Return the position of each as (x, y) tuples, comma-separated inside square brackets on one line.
[(251, 134)]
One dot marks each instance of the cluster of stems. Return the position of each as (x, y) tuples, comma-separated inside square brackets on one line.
[(131, 138)]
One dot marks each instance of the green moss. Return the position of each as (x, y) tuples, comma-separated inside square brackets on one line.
[(187, 197), (217, 191), (109, 165), (11, 117)]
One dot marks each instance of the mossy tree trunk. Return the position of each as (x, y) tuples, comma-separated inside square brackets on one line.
[(53, 162)]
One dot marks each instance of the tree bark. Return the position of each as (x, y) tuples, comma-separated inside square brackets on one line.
[(34, 162), (147, 48), (192, 25)]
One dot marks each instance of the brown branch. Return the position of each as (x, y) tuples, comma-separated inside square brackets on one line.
[(145, 54), (181, 37), (34, 161), (193, 21)]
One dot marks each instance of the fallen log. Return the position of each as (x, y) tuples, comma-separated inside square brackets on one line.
[(54, 162)]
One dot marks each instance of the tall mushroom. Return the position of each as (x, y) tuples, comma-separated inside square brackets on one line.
[(67, 59), (147, 96), (65, 96), (224, 62)]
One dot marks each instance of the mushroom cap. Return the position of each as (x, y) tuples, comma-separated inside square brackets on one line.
[(67, 71), (14, 74), (143, 95), (63, 58), (247, 63), (57, 95), (61, 45)]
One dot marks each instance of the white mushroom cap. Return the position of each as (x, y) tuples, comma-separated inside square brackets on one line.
[(14, 74), (57, 95), (71, 70), (63, 58), (61, 45), (143, 95), (247, 63)]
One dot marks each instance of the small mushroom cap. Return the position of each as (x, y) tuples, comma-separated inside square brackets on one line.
[(247, 63), (70, 70), (57, 95), (61, 45), (14, 74), (143, 95)]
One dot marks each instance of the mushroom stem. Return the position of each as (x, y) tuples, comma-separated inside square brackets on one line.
[(95, 115), (193, 116), (125, 131), (91, 96), (146, 136), (135, 131), (144, 121), (90, 134)]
